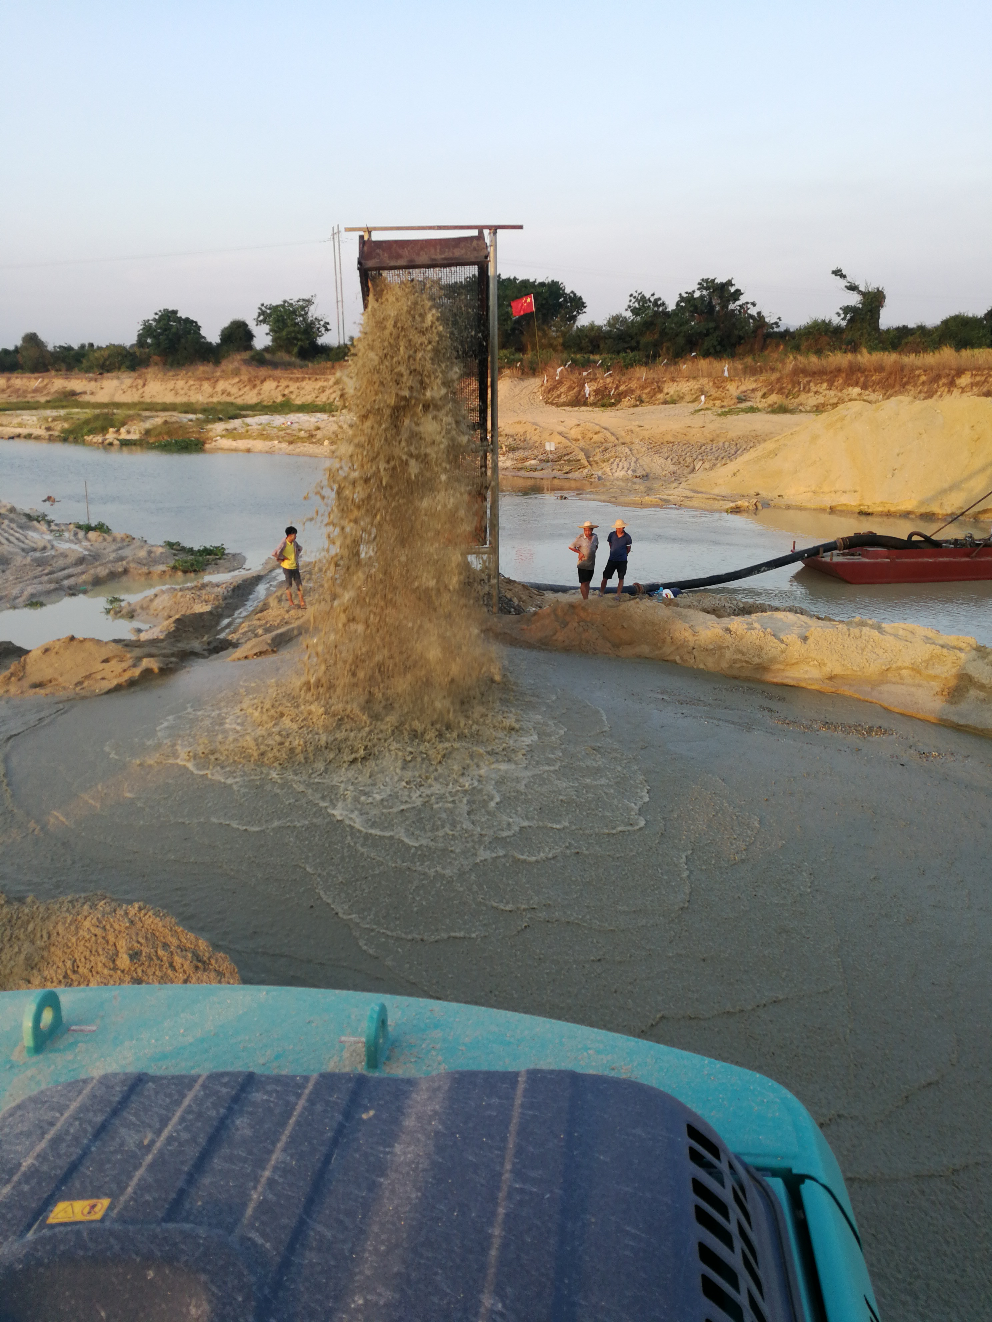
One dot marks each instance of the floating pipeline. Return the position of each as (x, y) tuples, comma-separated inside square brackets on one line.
[(713, 580)]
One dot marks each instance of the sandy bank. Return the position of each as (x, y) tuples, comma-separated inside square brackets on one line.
[(261, 433), (196, 619), (902, 456), (899, 666), (92, 940), (629, 454), (233, 382), (44, 561)]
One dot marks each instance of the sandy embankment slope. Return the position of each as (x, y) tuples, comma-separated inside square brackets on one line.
[(901, 456), (231, 383), (626, 454), (903, 667), (92, 940)]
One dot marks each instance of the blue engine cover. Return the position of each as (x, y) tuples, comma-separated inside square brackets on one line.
[(543, 1194)]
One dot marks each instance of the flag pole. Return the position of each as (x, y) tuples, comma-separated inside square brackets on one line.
[(536, 338)]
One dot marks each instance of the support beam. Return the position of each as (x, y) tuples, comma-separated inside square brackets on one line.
[(494, 417)]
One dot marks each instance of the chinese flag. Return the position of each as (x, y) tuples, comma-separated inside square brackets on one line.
[(519, 306)]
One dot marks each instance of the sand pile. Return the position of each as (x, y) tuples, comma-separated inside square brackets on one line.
[(908, 669), (394, 643), (901, 456), (94, 941), (73, 667)]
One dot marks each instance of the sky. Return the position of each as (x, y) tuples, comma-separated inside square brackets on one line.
[(197, 155)]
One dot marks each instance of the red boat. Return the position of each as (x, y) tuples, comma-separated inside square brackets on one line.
[(965, 561)]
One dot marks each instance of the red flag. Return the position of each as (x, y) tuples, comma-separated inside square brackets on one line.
[(520, 306)]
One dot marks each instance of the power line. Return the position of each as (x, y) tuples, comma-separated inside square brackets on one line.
[(159, 256)]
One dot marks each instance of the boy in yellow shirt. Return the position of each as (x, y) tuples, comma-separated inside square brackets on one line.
[(289, 553)]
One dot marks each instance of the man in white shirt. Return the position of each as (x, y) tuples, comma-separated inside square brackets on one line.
[(585, 547)]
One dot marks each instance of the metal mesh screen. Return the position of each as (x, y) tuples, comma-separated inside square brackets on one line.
[(461, 295)]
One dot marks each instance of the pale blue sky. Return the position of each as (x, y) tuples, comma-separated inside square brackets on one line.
[(642, 145)]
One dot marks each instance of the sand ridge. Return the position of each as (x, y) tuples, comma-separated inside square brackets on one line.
[(903, 667)]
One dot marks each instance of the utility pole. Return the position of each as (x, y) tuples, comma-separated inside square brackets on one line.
[(494, 416), (338, 282)]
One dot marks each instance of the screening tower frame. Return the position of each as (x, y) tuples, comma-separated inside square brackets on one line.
[(460, 276)]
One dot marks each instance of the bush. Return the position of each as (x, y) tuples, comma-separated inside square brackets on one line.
[(110, 358), (9, 360), (177, 340), (193, 560), (236, 337), (92, 527)]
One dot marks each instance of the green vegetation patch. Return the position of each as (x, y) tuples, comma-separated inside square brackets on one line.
[(732, 413), (194, 560), (179, 445), (176, 436), (92, 527), (35, 605), (112, 604), (94, 424)]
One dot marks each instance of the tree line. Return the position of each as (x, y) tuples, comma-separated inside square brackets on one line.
[(170, 339), (712, 320), (715, 320)]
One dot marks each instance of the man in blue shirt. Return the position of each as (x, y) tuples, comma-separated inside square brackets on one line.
[(620, 544)]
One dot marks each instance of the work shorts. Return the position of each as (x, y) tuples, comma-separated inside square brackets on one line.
[(618, 566), (585, 575), (293, 576)]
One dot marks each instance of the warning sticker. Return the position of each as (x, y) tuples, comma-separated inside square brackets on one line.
[(82, 1209)]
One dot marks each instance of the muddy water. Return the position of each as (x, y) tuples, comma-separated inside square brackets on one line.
[(737, 870)]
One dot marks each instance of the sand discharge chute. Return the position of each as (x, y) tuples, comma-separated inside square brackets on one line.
[(458, 273), (394, 645)]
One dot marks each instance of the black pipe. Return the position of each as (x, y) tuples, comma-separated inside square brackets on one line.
[(712, 580)]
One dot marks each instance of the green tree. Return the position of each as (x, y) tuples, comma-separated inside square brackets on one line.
[(67, 358), (557, 308), (33, 353), (715, 319), (293, 326), (649, 319), (961, 331), (178, 340), (861, 319), (236, 337), (9, 360)]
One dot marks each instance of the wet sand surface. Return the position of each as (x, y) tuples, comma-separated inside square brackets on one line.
[(780, 878)]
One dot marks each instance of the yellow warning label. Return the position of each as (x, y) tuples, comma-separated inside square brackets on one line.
[(82, 1209)]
